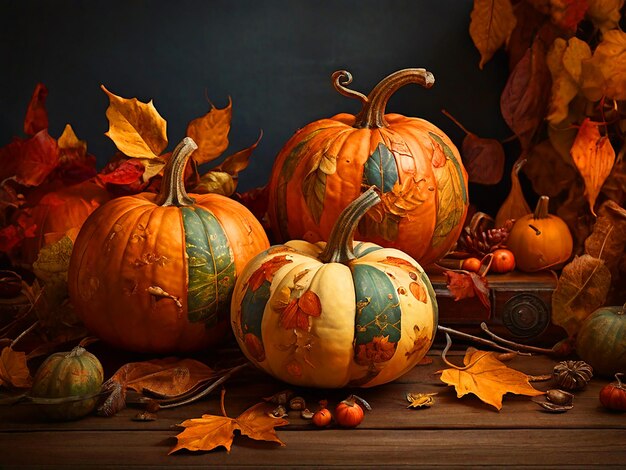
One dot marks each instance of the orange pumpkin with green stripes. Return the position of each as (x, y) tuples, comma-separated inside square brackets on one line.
[(417, 169), (335, 314), (155, 273)]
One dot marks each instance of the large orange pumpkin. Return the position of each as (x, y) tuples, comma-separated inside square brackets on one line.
[(155, 273), (328, 163)]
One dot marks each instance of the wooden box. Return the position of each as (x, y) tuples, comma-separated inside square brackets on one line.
[(520, 308)]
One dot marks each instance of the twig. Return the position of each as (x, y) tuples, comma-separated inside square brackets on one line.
[(539, 378), (528, 349), (479, 340), (222, 395), (207, 390), (447, 348), (24, 333)]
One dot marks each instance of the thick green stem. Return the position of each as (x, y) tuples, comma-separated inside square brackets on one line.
[(339, 246), (372, 115), (173, 184)]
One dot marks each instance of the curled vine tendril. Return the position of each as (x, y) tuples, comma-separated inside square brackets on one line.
[(342, 78)]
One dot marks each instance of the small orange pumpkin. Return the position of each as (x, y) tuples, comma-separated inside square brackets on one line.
[(155, 273), (540, 240), (328, 164)]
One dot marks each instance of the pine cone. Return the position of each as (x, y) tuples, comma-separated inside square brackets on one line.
[(477, 242)]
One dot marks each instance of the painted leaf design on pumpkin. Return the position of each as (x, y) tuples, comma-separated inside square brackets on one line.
[(267, 270), (421, 344), (594, 157), (451, 194), (381, 169), (378, 313), (211, 266), (384, 219), (323, 163), (286, 174), (376, 351), (418, 291), (248, 324), (295, 313)]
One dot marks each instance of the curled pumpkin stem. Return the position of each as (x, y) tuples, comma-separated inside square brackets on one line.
[(342, 78)]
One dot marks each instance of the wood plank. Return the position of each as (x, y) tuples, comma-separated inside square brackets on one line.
[(327, 448)]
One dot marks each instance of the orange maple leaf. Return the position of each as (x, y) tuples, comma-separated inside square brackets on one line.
[(296, 313), (14, 371), (210, 132), (487, 378), (210, 431)]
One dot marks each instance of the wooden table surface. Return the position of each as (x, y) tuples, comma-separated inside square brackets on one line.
[(453, 433)]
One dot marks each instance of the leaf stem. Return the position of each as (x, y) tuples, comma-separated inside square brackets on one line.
[(528, 349)]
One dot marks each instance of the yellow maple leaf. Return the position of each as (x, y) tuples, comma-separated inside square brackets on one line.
[(210, 132), (68, 142), (136, 128), (14, 371), (487, 378), (594, 157), (564, 61), (605, 14), (491, 24), (210, 431)]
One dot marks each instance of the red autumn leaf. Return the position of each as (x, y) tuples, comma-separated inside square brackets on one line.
[(297, 312), (566, 14), (29, 161), (126, 171), (75, 164), (525, 97), (266, 271), (465, 285), (36, 115), (12, 235)]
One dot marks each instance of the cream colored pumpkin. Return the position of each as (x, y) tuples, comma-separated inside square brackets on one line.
[(342, 314)]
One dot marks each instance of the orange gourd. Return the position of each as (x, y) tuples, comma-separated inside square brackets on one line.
[(155, 273), (540, 240), (417, 169)]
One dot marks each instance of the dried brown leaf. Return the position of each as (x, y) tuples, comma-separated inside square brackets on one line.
[(465, 285), (608, 238), (491, 24), (525, 96), (14, 371), (582, 288), (483, 159), (547, 171)]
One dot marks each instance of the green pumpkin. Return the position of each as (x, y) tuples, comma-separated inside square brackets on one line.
[(77, 373), (601, 341)]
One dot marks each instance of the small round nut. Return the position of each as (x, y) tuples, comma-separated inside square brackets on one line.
[(297, 404)]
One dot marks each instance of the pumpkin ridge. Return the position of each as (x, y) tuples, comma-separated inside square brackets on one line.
[(119, 268)]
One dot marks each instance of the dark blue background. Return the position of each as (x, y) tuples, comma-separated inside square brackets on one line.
[(273, 57)]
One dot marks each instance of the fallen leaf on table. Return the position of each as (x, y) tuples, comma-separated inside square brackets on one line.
[(582, 288), (14, 371), (420, 400), (594, 157), (161, 378), (210, 431), (487, 378)]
